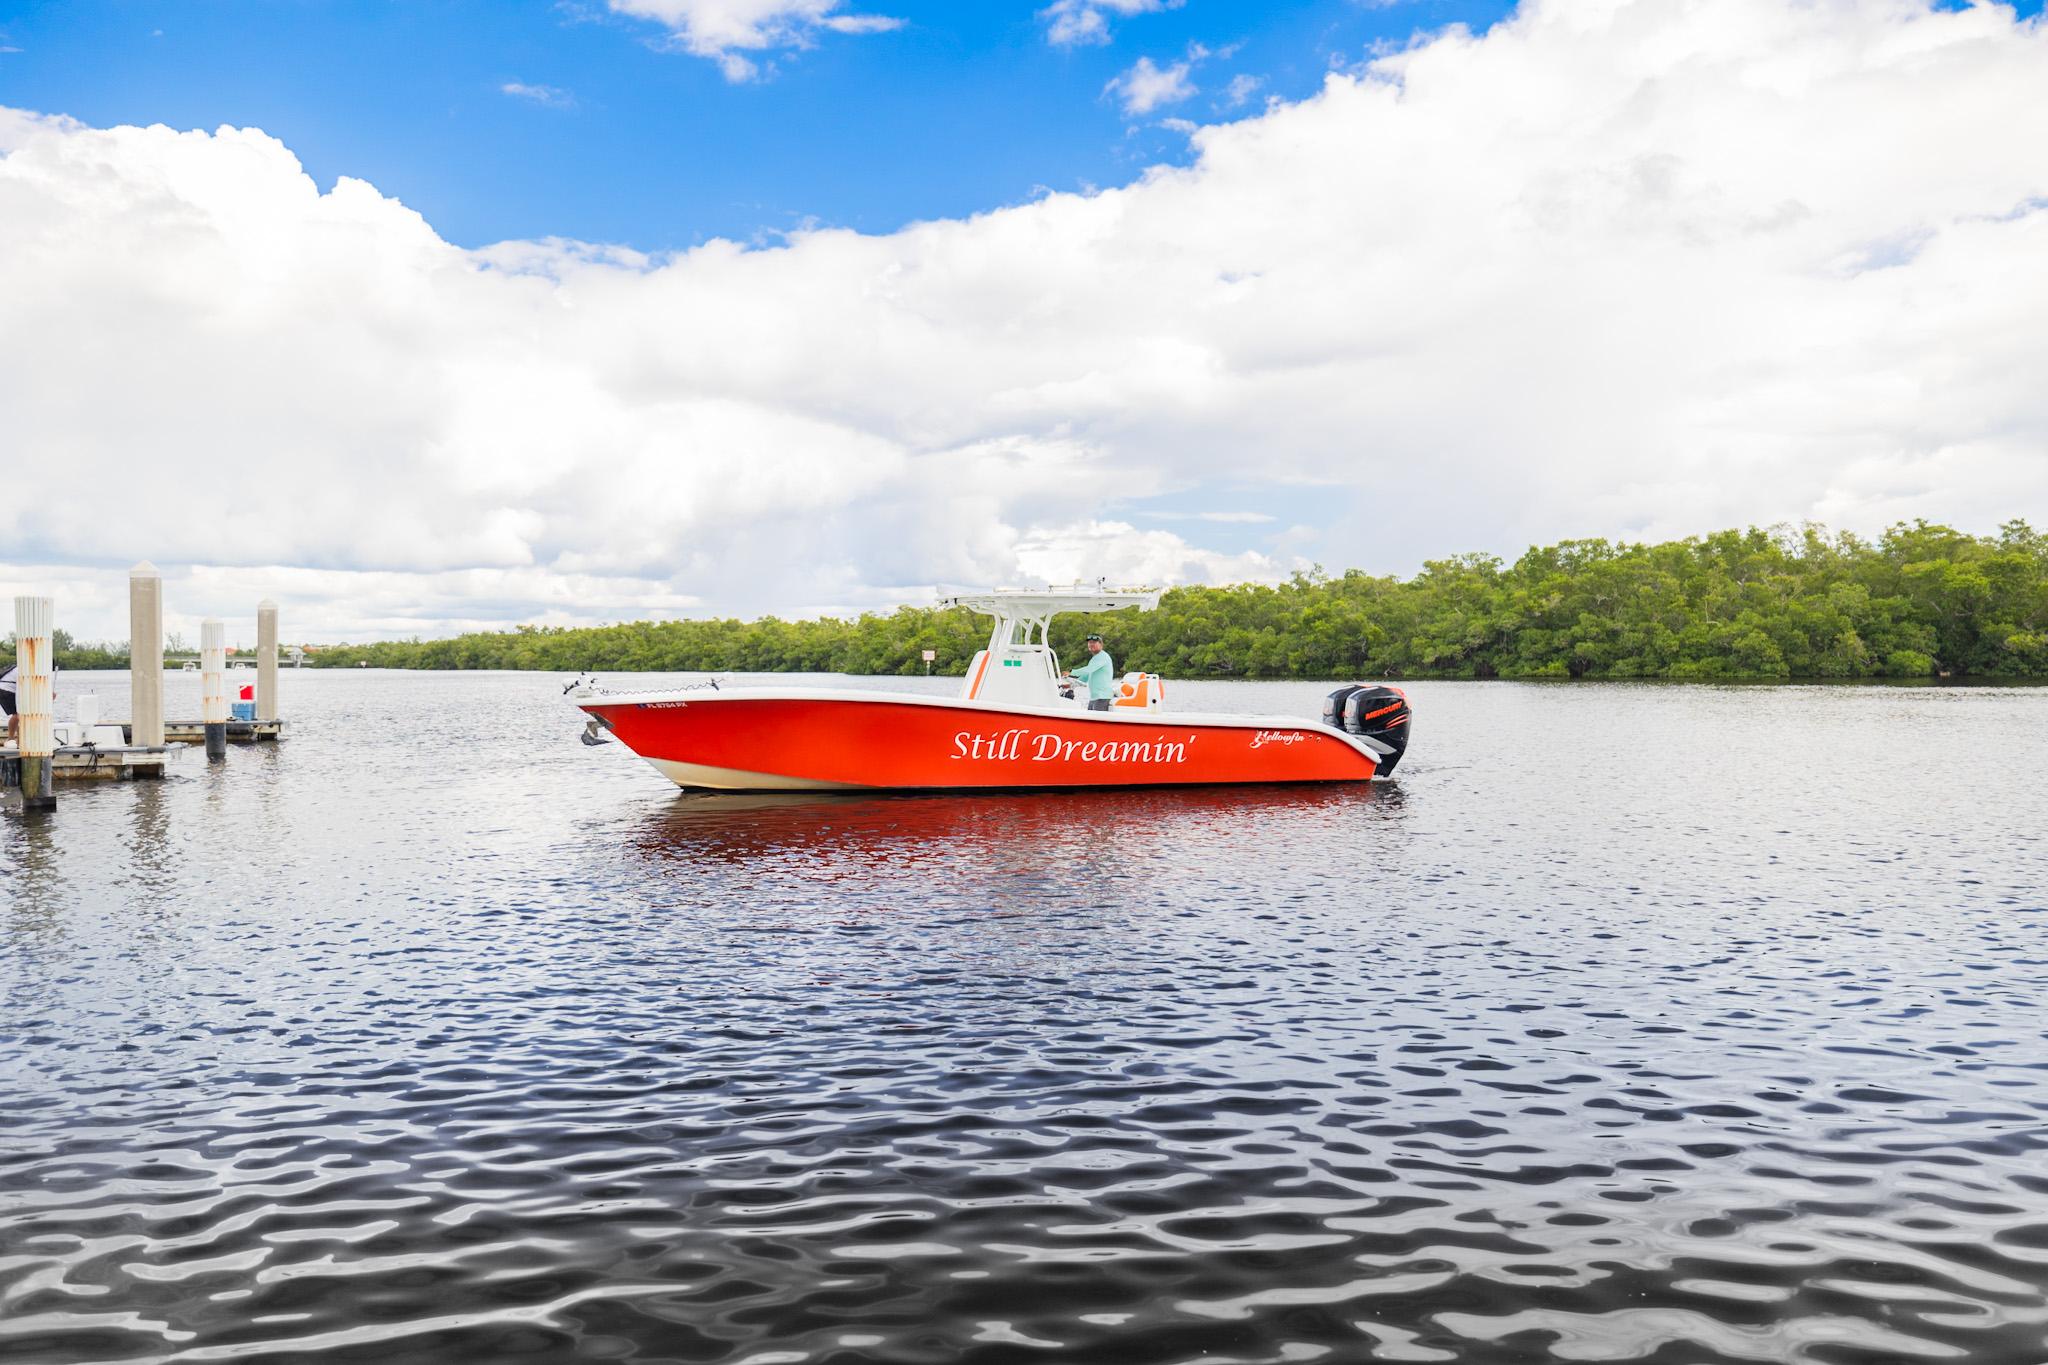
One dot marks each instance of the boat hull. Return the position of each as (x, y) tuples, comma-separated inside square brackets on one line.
[(739, 741)]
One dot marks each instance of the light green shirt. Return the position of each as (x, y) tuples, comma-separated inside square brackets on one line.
[(1100, 675)]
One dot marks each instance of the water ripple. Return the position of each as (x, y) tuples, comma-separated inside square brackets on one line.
[(1514, 1061)]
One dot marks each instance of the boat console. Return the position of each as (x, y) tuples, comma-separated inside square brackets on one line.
[(1019, 667)]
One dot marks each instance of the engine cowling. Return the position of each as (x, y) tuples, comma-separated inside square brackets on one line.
[(1373, 711), (1333, 705)]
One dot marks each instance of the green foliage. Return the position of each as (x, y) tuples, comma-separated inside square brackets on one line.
[(71, 654), (1923, 600)]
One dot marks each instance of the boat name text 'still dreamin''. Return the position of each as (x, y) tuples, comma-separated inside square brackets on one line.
[(1045, 748)]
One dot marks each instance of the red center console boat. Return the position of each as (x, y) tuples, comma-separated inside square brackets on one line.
[(1012, 726)]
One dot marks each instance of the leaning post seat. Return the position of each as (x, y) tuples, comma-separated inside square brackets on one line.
[(1144, 690)]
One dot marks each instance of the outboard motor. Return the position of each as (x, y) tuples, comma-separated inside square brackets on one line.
[(1333, 705), (1377, 712)]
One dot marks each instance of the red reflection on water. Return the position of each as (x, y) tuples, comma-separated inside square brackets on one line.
[(1033, 828)]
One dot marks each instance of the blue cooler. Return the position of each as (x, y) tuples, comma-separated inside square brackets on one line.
[(242, 710)]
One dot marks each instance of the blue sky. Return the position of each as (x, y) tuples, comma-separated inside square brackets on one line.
[(965, 107)]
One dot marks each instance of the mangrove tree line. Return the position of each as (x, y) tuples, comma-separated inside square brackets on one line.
[(1920, 600)]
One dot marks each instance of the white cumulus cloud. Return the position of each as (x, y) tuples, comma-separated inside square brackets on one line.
[(1241, 88), (548, 96), (728, 31), (1146, 86), (1070, 23), (1616, 267)]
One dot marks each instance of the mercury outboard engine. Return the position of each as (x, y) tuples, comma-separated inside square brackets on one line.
[(1333, 705), (1374, 712)]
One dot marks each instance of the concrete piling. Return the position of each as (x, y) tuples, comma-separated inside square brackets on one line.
[(213, 687), (266, 660), (146, 655), (34, 618)]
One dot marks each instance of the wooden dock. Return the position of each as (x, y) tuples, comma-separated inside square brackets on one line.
[(88, 762), (41, 751), (238, 731)]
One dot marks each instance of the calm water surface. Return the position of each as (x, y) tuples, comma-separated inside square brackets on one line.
[(1684, 1025)]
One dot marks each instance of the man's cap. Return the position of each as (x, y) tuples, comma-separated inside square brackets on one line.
[(1096, 638)]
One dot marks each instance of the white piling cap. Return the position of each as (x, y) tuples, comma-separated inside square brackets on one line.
[(267, 604), (144, 570)]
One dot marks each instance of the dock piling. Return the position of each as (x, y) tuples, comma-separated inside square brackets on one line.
[(266, 660), (146, 655), (213, 687), (33, 620)]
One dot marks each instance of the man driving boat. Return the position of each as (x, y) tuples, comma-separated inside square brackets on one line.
[(1099, 673)]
